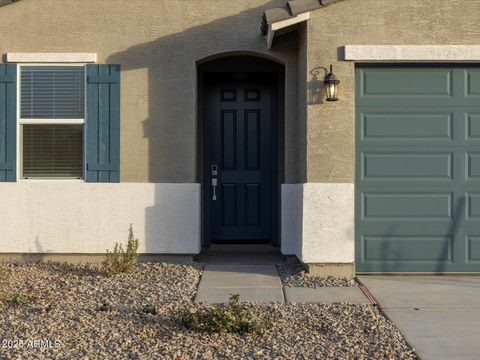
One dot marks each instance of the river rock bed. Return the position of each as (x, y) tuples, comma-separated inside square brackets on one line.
[(294, 275), (58, 311)]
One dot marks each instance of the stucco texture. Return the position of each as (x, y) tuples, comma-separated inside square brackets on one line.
[(80, 218), (330, 126), (157, 43), (318, 222)]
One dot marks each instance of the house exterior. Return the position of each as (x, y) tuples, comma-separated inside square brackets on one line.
[(203, 121)]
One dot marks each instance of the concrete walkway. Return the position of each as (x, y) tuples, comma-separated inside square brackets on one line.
[(251, 282), (438, 315), (262, 283)]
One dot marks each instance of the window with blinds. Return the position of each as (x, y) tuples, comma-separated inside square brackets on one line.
[(52, 111), (52, 151), (52, 92)]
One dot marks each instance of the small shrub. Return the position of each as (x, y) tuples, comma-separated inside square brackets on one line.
[(152, 309), (18, 299), (120, 260), (105, 306), (6, 297), (230, 318)]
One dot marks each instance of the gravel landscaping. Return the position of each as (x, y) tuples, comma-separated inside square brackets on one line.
[(136, 316), (295, 276)]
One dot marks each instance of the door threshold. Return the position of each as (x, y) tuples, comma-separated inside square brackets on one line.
[(228, 248), (241, 255)]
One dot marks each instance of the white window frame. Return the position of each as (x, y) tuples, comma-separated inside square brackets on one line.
[(21, 122)]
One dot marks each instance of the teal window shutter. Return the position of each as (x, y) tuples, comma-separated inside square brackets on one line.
[(8, 122), (103, 123)]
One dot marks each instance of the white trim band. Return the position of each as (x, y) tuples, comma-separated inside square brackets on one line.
[(51, 121), (51, 57), (412, 53)]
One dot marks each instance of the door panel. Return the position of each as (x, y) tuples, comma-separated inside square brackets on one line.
[(239, 139), (417, 168)]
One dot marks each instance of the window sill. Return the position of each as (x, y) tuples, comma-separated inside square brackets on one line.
[(52, 179)]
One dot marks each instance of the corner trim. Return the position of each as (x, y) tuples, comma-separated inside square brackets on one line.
[(412, 53), (51, 57)]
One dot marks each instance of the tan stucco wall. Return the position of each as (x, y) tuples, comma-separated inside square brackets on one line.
[(157, 42), (330, 139), (302, 102)]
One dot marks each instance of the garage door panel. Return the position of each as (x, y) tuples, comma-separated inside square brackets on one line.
[(472, 120), (472, 77), (414, 248), (427, 267), (414, 126), (407, 165), (418, 168), (414, 206), (408, 248), (399, 266), (418, 249), (473, 249), (406, 82), (473, 165), (473, 206), (412, 87)]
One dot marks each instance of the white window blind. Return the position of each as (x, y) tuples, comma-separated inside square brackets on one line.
[(52, 92)]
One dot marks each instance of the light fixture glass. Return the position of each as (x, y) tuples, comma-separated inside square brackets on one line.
[(331, 86)]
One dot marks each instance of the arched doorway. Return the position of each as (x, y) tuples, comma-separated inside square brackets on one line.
[(240, 147)]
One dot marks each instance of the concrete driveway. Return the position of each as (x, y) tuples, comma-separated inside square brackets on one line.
[(438, 315)]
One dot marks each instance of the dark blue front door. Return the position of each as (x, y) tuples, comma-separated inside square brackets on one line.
[(240, 147)]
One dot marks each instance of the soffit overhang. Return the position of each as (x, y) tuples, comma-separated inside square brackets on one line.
[(281, 20)]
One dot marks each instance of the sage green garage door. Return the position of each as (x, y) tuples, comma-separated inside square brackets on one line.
[(418, 168)]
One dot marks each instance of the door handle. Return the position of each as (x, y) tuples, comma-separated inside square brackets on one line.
[(214, 185)]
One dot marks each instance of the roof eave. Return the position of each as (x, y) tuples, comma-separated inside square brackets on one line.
[(276, 26), (294, 12), (7, 2)]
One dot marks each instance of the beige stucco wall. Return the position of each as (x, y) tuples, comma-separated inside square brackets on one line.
[(158, 43), (330, 139)]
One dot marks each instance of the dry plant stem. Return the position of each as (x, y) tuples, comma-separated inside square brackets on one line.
[(119, 260)]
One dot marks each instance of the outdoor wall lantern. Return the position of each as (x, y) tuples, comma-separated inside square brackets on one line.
[(331, 86)]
